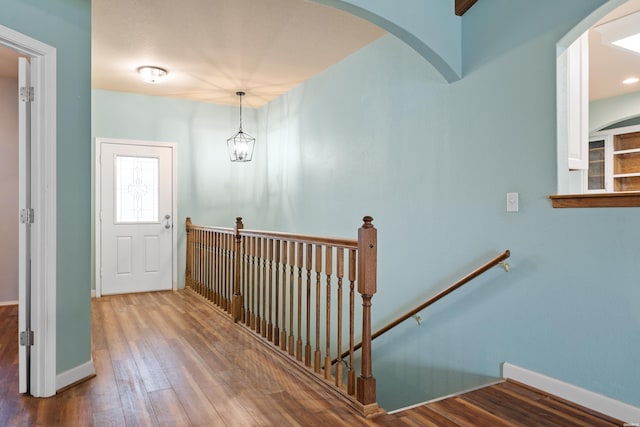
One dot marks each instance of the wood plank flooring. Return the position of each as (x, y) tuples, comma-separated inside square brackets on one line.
[(170, 359)]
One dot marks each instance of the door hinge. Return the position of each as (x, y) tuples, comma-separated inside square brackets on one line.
[(26, 216), (26, 94), (26, 337)]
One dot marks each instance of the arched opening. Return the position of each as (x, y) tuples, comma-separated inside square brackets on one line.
[(588, 98)]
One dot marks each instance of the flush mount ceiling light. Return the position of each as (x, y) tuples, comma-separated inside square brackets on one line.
[(622, 32), (152, 74), (631, 80), (241, 145)]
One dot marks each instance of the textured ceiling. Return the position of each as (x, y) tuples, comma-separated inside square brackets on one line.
[(213, 48)]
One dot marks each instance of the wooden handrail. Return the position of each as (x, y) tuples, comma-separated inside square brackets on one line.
[(300, 238), (291, 237), (461, 282), (285, 288)]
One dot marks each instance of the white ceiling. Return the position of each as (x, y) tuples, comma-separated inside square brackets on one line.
[(213, 48), (8, 63), (608, 65)]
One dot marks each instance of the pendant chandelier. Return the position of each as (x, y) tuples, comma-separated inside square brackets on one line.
[(241, 144)]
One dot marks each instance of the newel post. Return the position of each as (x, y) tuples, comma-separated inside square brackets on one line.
[(187, 273), (237, 258), (367, 272)]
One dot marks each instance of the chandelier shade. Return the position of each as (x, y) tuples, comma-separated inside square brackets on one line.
[(241, 144)]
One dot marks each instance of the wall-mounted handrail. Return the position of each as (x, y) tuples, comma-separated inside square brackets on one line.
[(461, 282)]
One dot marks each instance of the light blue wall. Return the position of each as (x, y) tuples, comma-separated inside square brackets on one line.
[(66, 25), (383, 133)]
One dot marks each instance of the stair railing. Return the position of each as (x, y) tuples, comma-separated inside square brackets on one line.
[(499, 260), (272, 283)]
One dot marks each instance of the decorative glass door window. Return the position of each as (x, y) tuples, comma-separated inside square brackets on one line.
[(136, 189)]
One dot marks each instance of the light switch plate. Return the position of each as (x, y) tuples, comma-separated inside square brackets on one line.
[(512, 202)]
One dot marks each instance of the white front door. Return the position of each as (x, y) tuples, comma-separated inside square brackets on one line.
[(136, 217)]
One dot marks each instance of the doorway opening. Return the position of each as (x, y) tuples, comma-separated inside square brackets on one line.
[(39, 308)]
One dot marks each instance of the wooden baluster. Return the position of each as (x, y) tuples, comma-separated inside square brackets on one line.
[(217, 266), (194, 271), (246, 314), (351, 375), (225, 276), (307, 347), (270, 291), (283, 337), (340, 274), (276, 259), (217, 243), (263, 327), (252, 252), (229, 281), (187, 271), (292, 258), (205, 262), (221, 271), (317, 354), (367, 287), (299, 264), (246, 249), (206, 251), (236, 255), (194, 259), (328, 270), (192, 233), (199, 262), (258, 284)]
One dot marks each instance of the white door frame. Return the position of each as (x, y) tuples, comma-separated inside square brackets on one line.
[(43, 201), (98, 204)]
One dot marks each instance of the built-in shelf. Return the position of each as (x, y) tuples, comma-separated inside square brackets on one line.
[(626, 175)]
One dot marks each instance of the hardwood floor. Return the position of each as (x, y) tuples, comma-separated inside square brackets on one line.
[(170, 359)]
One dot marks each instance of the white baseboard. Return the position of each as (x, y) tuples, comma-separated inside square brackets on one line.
[(74, 375), (8, 303), (93, 293), (605, 405)]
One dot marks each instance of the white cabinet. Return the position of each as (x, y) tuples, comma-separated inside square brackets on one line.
[(573, 102)]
